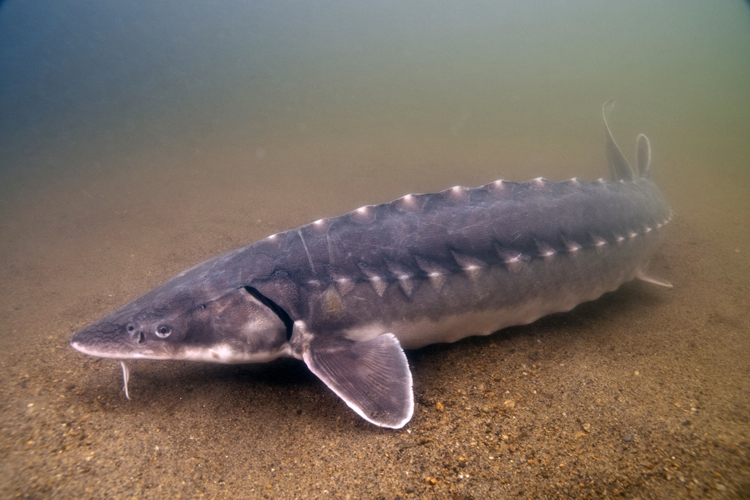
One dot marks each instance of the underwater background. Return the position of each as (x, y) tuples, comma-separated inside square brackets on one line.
[(140, 138)]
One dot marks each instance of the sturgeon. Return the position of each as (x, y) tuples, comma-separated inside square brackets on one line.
[(348, 294)]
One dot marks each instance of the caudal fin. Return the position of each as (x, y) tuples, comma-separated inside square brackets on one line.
[(618, 165), (643, 152)]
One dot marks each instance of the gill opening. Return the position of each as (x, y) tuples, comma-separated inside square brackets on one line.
[(273, 306)]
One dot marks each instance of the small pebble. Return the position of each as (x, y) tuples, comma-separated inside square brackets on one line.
[(627, 438)]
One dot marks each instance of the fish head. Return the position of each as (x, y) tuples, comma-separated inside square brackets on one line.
[(190, 317)]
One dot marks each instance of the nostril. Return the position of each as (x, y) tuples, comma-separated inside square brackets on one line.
[(141, 338)]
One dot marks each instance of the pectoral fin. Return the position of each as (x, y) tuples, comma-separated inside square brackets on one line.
[(372, 377)]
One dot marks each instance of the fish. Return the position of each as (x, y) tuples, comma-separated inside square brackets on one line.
[(347, 295)]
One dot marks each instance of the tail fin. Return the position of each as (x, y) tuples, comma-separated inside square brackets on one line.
[(618, 165)]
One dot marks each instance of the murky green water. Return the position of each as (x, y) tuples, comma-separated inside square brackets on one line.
[(138, 138)]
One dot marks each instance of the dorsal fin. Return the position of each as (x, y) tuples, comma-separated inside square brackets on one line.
[(643, 152), (618, 165)]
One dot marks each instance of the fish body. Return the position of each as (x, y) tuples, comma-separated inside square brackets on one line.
[(347, 294)]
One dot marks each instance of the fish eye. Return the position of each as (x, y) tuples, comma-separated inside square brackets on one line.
[(163, 331)]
